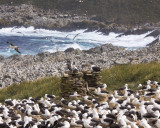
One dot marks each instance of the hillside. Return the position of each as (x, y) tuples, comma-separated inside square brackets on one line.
[(109, 11)]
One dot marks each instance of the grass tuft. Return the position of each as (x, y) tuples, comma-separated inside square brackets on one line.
[(130, 74), (38, 88)]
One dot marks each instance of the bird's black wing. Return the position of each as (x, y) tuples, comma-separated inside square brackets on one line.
[(10, 43), (67, 35), (76, 36), (17, 50)]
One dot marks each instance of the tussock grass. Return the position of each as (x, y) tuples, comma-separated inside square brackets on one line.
[(38, 88), (114, 78), (130, 74)]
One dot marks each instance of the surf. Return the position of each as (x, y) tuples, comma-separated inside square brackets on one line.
[(33, 41)]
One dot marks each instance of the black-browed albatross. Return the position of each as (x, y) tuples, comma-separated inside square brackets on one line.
[(13, 47)]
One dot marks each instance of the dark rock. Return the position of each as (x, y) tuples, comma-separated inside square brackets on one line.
[(69, 50), (155, 33), (1, 58), (134, 32), (153, 42)]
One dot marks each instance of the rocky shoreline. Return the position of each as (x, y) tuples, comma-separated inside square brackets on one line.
[(28, 15), (17, 68)]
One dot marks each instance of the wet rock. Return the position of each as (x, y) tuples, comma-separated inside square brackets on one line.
[(69, 50), (135, 32), (155, 33), (153, 42)]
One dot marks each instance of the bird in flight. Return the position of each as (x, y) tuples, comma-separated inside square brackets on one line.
[(67, 35), (76, 36), (13, 47), (47, 38)]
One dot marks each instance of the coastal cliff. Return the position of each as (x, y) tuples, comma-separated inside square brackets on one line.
[(126, 12), (28, 15), (32, 15)]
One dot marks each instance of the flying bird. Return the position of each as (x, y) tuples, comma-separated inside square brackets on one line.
[(50, 40), (76, 36), (13, 47), (67, 35)]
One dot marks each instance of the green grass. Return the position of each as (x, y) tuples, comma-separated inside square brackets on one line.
[(114, 78), (38, 88), (130, 74)]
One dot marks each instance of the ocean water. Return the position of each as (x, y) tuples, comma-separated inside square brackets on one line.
[(32, 41)]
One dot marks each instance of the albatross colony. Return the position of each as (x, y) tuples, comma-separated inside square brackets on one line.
[(123, 108)]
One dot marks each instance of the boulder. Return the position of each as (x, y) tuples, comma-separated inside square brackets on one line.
[(69, 50)]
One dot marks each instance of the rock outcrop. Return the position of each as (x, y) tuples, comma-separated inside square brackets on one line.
[(28, 15), (84, 82)]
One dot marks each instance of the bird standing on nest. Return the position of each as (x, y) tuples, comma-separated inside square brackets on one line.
[(13, 47)]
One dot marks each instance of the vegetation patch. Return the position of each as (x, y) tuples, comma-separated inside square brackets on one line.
[(133, 75), (38, 88)]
